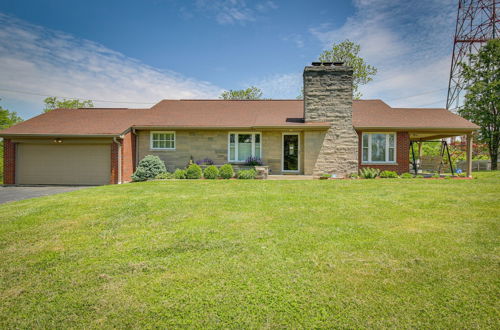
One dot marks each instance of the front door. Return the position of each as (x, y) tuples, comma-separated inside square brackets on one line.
[(291, 152)]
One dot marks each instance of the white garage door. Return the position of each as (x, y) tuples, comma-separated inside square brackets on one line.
[(73, 164)]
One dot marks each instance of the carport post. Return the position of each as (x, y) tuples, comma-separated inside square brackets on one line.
[(469, 155)]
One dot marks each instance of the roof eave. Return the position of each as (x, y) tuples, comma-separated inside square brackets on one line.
[(7, 135), (418, 129), (233, 127)]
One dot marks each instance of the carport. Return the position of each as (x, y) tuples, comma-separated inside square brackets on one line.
[(433, 136)]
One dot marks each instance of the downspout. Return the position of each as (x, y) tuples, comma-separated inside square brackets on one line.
[(119, 159)]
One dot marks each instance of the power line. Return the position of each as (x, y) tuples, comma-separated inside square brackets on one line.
[(70, 97), (130, 102), (425, 105), (424, 93)]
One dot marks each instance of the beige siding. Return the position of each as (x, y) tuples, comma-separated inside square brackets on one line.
[(73, 164), (313, 142), (212, 144)]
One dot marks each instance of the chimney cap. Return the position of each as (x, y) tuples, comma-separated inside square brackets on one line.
[(322, 63)]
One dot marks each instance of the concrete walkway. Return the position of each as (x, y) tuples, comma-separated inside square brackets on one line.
[(15, 193)]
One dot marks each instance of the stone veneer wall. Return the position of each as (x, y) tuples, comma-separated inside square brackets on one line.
[(212, 144), (328, 98)]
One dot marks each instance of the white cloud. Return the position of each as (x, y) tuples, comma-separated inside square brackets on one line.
[(297, 39), (266, 6), (408, 41), (42, 61), (280, 86), (227, 12)]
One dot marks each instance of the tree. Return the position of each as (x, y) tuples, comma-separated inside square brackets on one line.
[(8, 118), (53, 102), (482, 98), (251, 93), (347, 52)]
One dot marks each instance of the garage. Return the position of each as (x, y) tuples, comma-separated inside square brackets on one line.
[(63, 164)]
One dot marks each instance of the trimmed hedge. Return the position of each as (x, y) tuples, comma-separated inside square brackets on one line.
[(389, 174), (211, 172), (180, 174), (194, 172), (247, 174), (226, 171), (406, 176)]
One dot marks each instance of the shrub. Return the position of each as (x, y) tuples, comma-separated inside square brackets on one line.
[(165, 175), (148, 168), (436, 176), (247, 174), (420, 176), (194, 172), (354, 176), (388, 174), (226, 171), (140, 174), (406, 176), (180, 174), (253, 161), (211, 172), (369, 173)]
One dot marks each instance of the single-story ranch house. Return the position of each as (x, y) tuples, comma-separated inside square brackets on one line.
[(327, 132)]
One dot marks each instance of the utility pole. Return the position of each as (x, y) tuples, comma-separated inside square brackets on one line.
[(477, 22)]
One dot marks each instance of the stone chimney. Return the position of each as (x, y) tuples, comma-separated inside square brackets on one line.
[(328, 98)]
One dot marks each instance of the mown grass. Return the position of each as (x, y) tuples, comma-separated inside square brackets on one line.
[(259, 254)]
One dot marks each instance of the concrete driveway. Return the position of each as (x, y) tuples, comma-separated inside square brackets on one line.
[(10, 194)]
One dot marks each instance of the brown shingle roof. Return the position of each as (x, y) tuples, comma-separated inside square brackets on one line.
[(375, 114), (78, 122), (226, 114)]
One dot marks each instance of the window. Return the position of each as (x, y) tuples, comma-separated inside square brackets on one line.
[(244, 145), (379, 147), (163, 140)]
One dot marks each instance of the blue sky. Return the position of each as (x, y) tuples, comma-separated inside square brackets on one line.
[(134, 53)]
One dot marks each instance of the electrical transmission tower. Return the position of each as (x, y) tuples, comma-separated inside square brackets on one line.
[(477, 22)]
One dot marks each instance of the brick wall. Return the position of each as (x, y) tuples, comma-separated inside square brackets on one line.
[(128, 156), (9, 162), (402, 154), (114, 163)]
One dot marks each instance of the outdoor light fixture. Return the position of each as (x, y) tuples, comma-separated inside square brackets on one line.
[(58, 140)]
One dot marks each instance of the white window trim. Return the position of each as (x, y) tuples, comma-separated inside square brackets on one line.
[(161, 132), (283, 153), (236, 146), (369, 134)]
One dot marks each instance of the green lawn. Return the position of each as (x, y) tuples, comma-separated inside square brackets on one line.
[(260, 254)]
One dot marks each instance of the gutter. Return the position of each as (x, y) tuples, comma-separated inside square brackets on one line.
[(60, 135), (417, 129), (225, 128)]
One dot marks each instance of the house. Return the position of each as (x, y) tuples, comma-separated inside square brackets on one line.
[(327, 132)]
